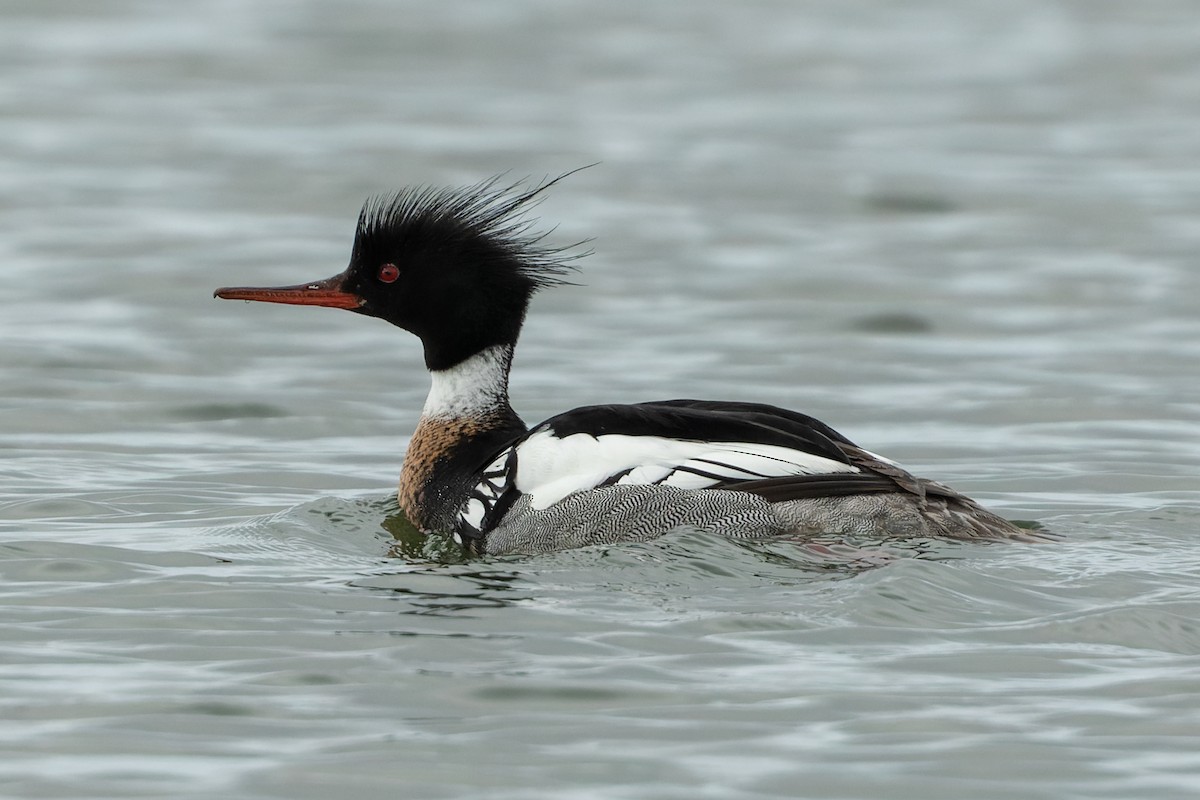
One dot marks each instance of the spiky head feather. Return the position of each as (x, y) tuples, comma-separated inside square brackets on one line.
[(485, 222), (464, 262)]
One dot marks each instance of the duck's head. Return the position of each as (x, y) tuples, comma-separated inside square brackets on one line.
[(455, 267)]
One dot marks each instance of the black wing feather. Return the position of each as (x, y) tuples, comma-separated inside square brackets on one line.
[(802, 487), (705, 421), (715, 420)]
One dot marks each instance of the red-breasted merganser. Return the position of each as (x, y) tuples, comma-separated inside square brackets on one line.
[(458, 268)]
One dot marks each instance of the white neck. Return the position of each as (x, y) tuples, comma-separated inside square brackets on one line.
[(471, 388)]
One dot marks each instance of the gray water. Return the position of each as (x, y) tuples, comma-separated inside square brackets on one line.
[(963, 233)]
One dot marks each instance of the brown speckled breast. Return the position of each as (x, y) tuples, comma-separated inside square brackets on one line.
[(431, 446)]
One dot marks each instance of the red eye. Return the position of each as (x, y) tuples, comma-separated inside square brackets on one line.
[(388, 273)]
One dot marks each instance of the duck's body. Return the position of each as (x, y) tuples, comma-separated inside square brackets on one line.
[(457, 269)]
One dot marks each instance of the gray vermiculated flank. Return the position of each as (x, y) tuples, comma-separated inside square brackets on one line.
[(637, 513)]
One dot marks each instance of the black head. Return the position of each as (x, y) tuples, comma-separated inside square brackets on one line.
[(455, 267)]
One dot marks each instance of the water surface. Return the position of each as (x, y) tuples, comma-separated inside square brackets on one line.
[(962, 233)]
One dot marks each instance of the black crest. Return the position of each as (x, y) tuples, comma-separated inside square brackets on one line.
[(487, 221)]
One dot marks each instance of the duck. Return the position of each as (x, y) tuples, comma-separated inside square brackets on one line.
[(458, 269)]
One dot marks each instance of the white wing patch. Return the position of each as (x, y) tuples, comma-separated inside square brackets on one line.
[(550, 468), (484, 494)]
